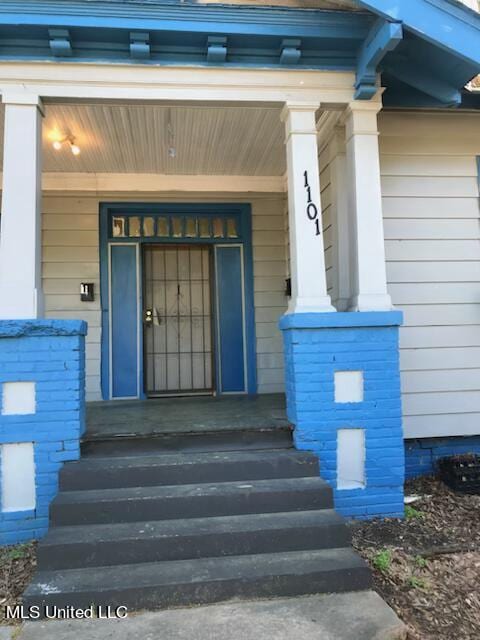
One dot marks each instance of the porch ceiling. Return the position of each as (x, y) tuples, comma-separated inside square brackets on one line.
[(129, 138)]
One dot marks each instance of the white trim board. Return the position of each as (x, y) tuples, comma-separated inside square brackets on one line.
[(155, 183), (84, 81)]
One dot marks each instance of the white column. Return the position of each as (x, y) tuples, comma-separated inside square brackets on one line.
[(20, 239), (365, 209), (307, 259), (340, 223)]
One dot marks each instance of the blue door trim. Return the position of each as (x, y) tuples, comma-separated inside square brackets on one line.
[(230, 320), (240, 212), (124, 327)]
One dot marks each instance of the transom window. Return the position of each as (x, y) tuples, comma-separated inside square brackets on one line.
[(174, 226)]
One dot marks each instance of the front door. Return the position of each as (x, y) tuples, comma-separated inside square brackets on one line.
[(177, 320)]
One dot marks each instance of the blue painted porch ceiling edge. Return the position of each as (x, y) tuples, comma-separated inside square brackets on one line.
[(426, 50)]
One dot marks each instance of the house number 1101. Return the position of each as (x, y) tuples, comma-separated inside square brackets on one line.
[(312, 210)]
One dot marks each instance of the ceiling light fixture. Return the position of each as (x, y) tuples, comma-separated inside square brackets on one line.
[(74, 148)]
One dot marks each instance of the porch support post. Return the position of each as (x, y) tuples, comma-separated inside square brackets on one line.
[(365, 205), (20, 240), (307, 260)]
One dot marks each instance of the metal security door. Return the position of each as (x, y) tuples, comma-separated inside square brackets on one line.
[(177, 320)]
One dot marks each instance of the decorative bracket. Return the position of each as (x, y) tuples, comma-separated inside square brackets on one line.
[(290, 52), (383, 37), (217, 49), (60, 44), (139, 45)]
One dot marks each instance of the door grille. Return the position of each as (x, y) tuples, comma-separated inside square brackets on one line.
[(177, 302)]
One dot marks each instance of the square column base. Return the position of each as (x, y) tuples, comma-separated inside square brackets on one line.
[(343, 397), (42, 413)]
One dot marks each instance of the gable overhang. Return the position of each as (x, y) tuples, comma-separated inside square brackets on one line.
[(437, 56), (425, 51)]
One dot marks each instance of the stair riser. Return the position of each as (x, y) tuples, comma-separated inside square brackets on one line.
[(77, 556), (194, 506), (161, 597), (75, 478), (201, 442)]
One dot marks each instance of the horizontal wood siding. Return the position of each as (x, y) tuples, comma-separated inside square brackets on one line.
[(432, 239), (324, 160), (71, 256)]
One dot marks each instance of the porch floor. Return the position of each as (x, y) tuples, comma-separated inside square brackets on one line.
[(184, 415)]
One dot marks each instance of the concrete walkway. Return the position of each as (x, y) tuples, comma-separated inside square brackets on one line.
[(352, 616)]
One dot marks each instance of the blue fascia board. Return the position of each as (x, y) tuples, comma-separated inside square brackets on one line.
[(447, 24), (383, 37), (341, 319), (212, 19)]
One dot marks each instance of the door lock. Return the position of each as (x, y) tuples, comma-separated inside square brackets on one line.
[(148, 317)]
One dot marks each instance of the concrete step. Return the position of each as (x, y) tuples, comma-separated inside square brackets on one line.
[(134, 542), (201, 440), (105, 506), (186, 582), (171, 469)]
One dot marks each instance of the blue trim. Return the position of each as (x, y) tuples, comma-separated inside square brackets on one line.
[(441, 34), (418, 76), (124, 321), (446, 24), (162, 16), (341, 319), (384, 37), (229, 309), (242, 211)]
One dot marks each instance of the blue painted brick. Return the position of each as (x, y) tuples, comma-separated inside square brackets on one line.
[(315, 347), (50, 353), (422, 455)]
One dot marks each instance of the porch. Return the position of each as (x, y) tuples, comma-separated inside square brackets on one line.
[(182, 416), (218, 255)]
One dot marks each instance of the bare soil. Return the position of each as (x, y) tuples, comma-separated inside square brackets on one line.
[(427, 566), (17, 564)]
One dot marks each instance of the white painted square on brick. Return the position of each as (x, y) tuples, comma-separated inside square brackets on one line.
[(18, 476), (348, 386), (351, 459), (18, 398)]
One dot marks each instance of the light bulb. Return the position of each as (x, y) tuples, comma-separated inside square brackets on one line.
[(75, 150), (57, 145)]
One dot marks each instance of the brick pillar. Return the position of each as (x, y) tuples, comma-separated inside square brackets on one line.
[(343, 396), (42, 416)]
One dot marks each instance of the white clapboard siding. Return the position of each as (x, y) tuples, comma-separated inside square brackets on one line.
[(71, 255), (435, 271), (327, 222), (432, 240)]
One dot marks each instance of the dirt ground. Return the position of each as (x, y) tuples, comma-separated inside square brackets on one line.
[(17, 564), (427, 566)]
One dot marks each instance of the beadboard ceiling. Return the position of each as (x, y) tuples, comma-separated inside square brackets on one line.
[(243, 140)]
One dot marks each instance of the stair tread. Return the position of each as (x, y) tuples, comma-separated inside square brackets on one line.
[(190, 459), (197, 571), (190, 490), (157, 529)]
